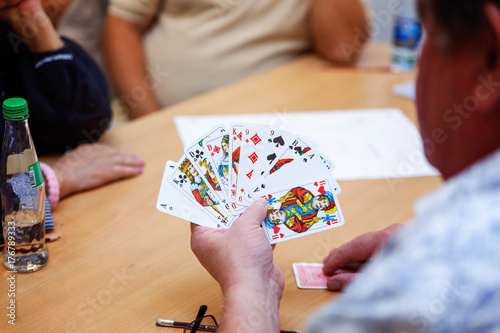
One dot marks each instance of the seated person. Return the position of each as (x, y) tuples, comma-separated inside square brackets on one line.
[(438, 274), (66, 97), (160, 52), (65, 90)]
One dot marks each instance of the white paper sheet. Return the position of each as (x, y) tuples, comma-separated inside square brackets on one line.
[(363, 144)]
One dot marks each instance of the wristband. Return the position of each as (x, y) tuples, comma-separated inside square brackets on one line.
[(52, 184)]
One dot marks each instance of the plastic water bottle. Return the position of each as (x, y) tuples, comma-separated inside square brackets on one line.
[(22, 193), (406, 37)]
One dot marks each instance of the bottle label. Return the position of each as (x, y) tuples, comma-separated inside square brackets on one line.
[(35, 173), (407, 33)]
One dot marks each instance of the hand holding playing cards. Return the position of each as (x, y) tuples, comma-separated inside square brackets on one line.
[(341, 264), (224, 170), (240, 258)]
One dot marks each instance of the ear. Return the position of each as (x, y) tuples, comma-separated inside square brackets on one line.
[(488, 86)]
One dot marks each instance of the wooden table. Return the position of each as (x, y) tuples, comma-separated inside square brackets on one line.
[(121, 264)]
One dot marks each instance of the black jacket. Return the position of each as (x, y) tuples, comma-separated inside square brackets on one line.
[(66, 92)]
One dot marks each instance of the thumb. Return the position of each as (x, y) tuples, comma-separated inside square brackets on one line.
[(255, 213)]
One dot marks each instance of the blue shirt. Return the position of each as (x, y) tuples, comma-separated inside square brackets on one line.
[(440, 273)]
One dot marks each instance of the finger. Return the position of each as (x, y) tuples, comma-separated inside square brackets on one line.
[(119, 157), (360, 248), (254, 214), (9, 3), (135, 160), (120, 171), (340, 281), (107, 176)]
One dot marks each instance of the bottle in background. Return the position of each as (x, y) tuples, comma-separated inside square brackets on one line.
[(406, 37), (22, 193)]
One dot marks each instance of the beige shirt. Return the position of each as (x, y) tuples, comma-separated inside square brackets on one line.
[(205, 44), (82, 22)]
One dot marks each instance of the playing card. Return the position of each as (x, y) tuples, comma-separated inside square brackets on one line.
[(216, 147), (301, 209), (170, 202), (191, 184), (259, 150), (198, 154), (235, 139), (226, 169), (298, 160), (309, 275)]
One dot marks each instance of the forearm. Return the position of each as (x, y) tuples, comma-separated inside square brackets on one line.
[(250, 280), (124, 56), (339, 28), (250, 309)]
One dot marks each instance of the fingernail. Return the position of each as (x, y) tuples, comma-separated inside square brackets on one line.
[(333, 285), (139, 170), (135, 157)]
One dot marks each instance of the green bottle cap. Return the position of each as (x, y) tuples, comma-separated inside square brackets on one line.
[(15, 109)]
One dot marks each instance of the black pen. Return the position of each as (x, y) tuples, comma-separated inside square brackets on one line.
[(202, 327), (182, 324)]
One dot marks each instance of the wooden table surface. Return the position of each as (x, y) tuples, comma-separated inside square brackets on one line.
[(121, 264)]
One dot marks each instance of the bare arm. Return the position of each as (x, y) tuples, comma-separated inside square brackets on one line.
[(339, 28), (242, 304), (241, 260), (124, 56)]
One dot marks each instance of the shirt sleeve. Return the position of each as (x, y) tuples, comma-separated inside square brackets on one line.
[(436, 275), (67, 98), (135, 11)]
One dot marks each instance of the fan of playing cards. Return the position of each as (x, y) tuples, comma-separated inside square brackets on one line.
[(222, 172)]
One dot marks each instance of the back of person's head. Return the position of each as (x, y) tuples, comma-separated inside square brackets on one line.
[(459, 20), (459, 78)]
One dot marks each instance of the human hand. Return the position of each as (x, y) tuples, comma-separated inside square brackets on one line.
[(92, 165), (9, 3), (342, 264), (30, 21), (240, 255), (15, 11), (240, 258)]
